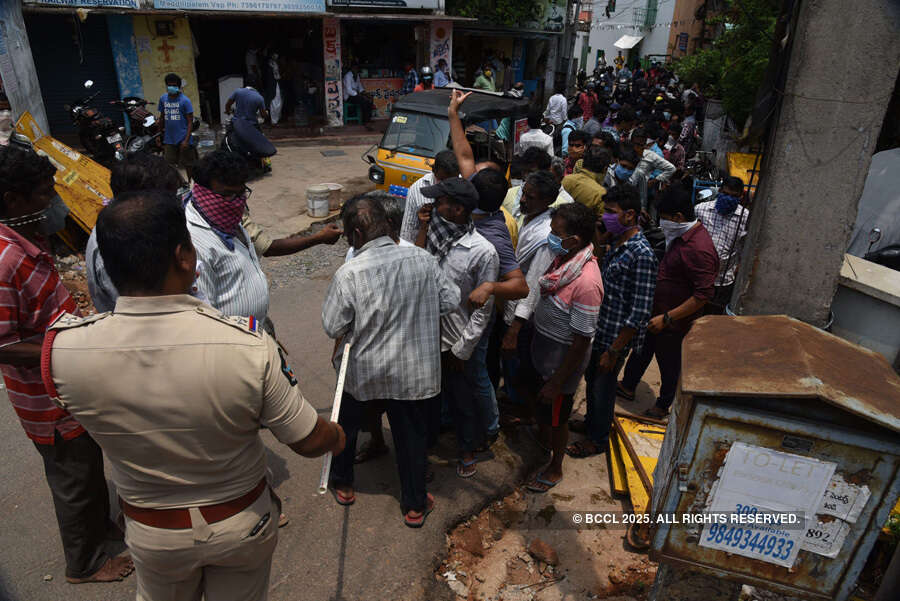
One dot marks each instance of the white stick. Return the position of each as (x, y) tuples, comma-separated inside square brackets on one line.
[(335, 413)]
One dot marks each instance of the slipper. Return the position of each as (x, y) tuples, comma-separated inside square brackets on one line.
[(623, 392), (539, 479), (341, 499), (368, 452), (578, 426), (420, 521), (579, 450), (283, 520), (463, 465)]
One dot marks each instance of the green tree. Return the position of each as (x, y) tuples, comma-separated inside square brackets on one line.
[(732, 68), (509, 13)]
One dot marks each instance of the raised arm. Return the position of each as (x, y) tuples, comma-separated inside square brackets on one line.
[(461, 147)]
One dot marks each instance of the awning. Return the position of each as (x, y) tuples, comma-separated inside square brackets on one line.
[(627, 42)]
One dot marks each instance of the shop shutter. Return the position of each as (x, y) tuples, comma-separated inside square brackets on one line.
[(66, 53)]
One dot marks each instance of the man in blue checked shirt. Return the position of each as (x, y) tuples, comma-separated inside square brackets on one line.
[(411, 81), (629, 281)]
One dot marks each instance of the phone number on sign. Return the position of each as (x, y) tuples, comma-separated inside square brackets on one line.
[(746, 538)]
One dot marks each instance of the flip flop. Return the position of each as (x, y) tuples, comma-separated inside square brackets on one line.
[(283, 520), (420, 521), (539, 479), (341, 499), (623, 392), (579, 450), (462, 465)]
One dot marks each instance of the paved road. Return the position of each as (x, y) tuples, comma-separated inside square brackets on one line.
[(327, 552)]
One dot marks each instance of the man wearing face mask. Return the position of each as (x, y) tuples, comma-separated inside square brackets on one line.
[(32, 297), (726, 220), (485, 80), (629, 279), (176, 113), (585, 185), (468, 260), (232, 278), (534, 257), (620, 171), (651, 167), (686, 282), (564, 321)]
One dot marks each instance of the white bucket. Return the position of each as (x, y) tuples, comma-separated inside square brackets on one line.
[(334, 196), (317, 200)]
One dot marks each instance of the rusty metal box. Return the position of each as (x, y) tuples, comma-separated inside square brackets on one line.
[(784, 390)]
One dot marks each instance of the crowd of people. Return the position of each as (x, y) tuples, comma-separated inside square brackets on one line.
[(466, 292)]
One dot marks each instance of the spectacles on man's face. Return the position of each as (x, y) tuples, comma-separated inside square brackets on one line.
[(245, 194)]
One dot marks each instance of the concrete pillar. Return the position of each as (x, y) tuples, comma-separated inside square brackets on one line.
[(334, 85), (17, 65), (842, 70)]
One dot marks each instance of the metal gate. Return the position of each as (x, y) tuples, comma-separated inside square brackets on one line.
[(67, 52)]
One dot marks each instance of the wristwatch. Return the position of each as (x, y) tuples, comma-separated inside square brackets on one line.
[(667, 320)]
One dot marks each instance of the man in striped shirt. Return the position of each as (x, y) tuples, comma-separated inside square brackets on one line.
[(31, 297)]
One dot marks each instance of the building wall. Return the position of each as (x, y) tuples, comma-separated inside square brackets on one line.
[(684, 15), (605, 32), (158, 56), (124, 49)]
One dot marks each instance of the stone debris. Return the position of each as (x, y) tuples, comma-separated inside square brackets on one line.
[(543, 552)]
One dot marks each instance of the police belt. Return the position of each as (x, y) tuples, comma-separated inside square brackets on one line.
[(180, 519)]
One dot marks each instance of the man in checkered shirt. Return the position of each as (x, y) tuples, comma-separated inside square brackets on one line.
[(726, 221), (629, 281)]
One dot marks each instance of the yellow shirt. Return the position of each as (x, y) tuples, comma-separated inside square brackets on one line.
[(584, 186)]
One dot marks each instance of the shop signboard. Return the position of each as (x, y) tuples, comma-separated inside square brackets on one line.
[(384, 92), (258, 6), (521, 128), (331, 44), (88, 3), (683, 41), (441, 42), (429, 4)]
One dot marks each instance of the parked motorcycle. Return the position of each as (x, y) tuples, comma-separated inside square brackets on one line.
[(247, 140), (97, 133), (144, 127)]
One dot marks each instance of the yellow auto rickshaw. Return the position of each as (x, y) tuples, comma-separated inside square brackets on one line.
[(419, 129)]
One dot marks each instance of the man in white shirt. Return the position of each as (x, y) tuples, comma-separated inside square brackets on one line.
[(535, 137), (648, 162), (355, 93), (557, 107)]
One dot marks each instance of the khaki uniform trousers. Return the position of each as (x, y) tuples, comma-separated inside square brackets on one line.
[(216, 562)]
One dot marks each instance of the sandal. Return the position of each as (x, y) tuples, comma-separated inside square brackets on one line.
[(418, 522), (462, 466), (368, 452), (623, 392), (582, 449), (541, 484), (342, 499)]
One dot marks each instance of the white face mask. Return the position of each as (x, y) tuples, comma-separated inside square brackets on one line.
[(673, 229)]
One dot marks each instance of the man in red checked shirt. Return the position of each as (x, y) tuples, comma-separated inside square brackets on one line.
[(31, 297)]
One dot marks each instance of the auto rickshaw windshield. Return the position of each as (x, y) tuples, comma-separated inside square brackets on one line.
[(416, 133)]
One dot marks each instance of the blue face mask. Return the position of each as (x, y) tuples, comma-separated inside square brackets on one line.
[(726, 204), (622, 173), (667, 115), (173, 89), (554, 243)]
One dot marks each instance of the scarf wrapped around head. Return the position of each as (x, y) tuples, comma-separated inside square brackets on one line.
[(224, 215), (442, 234), (563, 271), (726, 204)]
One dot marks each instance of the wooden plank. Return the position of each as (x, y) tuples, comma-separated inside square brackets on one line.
[(632, 456), (639, 495)]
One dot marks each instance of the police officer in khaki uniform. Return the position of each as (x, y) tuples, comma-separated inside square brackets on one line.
[(175, 393)]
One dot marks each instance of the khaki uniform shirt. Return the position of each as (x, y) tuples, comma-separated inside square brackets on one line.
[(175, 394), (584, 186)]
